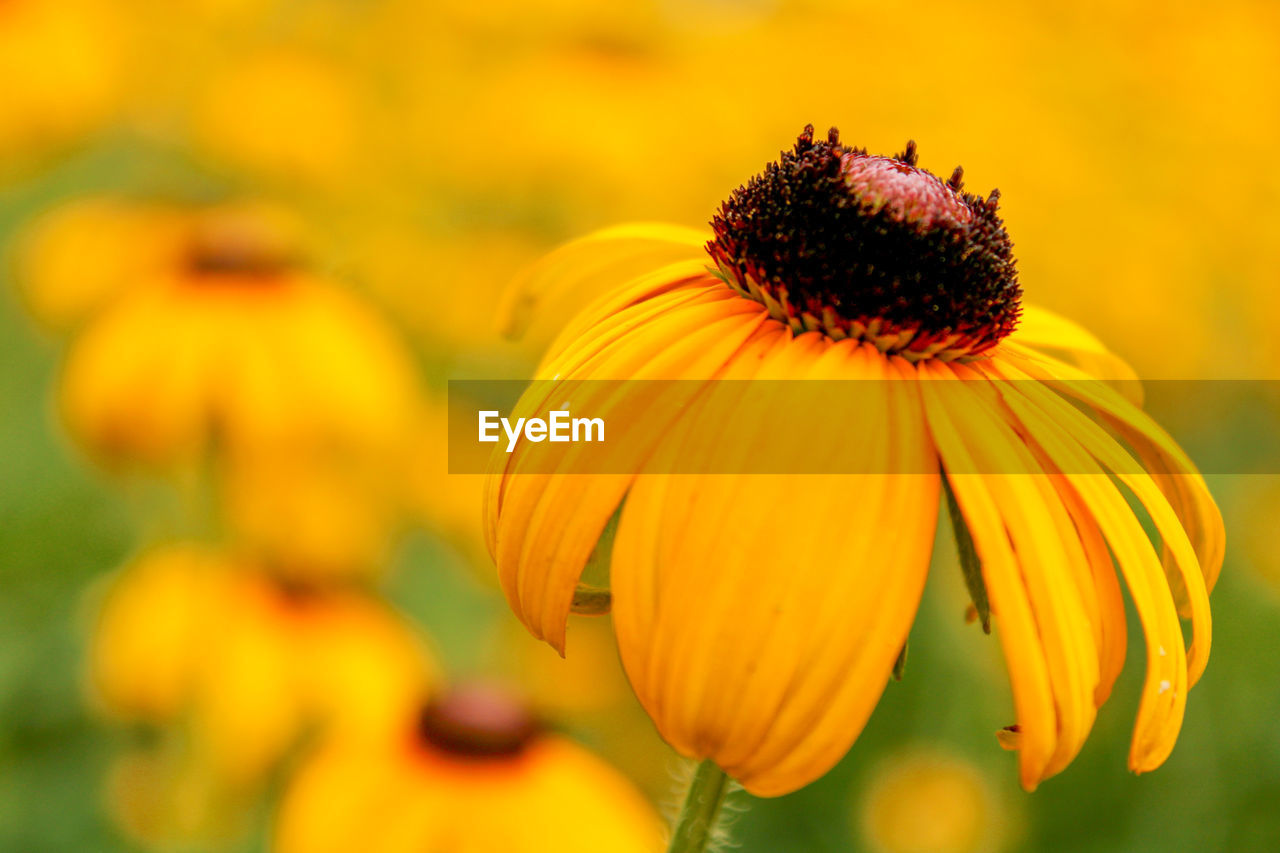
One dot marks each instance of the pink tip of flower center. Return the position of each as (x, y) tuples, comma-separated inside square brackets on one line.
[(477, 721), (905, 193)]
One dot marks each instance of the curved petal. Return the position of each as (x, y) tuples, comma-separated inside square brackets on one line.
[(543, 521), (1045, 414), (1068, 442), (628, 308), (1043, 331), (584, 269), (759, 616), (1031, 557), (1173, 472)]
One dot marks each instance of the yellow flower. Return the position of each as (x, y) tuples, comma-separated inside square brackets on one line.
[(760, 616), (235, 348), (313, 515), (932, 802), (283, 114), (475, 775), (302, 397), (63, 67), (79, 256), (185, 634), (408, 269)]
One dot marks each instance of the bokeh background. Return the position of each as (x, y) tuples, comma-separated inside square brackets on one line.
[(399, 162)]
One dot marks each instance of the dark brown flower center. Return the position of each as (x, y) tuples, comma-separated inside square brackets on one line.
[(477, 722), (238, 243), (834, 239)]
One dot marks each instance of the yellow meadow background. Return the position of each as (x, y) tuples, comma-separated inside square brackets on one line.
[(226, 529)]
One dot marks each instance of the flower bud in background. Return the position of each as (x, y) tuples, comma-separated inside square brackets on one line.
[(474, 773)]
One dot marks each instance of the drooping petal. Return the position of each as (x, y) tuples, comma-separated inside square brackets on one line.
[(1043, 331), (1174, 473), (1042, 410), (1112, 630), (759, 616), (1031, 555), (1069, 444), (543, 520)]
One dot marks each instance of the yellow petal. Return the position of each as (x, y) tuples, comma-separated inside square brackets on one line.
[(1164, 692), (1044, 332), (543, 526), (1029, 516), (586, 268), (1174, 473), (1044, 412), (759, 616)]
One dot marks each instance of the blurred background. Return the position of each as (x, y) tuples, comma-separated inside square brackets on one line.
[(247, 242)]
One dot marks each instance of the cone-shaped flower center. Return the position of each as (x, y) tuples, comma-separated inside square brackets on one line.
[(857, 245), (476, 721), (240, 245)]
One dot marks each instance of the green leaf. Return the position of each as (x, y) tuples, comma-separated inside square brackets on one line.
[(970, 565)]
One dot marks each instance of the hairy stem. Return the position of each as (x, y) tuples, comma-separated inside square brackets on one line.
[(701, 812)]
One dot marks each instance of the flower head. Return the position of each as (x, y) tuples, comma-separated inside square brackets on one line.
[(873, 248), (234, 347), (759, 616), (475, 773), (237, 362)]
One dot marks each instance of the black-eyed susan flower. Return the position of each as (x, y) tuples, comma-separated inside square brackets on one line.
[(759, 617), (237, 346), (474, 773), (244, 666), (238, 366)]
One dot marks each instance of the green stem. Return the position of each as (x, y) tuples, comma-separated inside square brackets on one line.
[(701, 811)]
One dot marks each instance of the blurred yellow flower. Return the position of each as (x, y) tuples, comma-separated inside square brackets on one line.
[(932, 802), (765, 650), (246, 665), (312, 515), (444, 502), (79, 256), (62, 63), (588, 690), (149, 630), (285, 115), (301, 396), (443, 286), (235, 356), (474, 775)]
